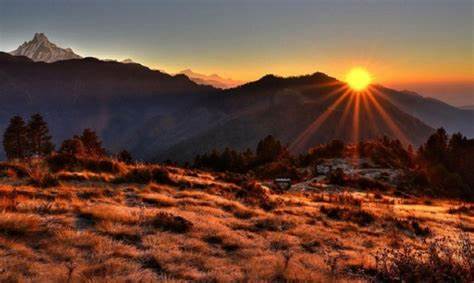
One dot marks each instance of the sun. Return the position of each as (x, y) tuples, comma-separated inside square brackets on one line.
[(358, 78)]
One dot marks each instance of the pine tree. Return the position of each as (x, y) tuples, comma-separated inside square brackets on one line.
[(72, 146), (39, 139), (92, 144), (269, 149), (15, 139), (125, 157), (436, 147)]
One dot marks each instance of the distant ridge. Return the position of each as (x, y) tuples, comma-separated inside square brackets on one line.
[(110, 97), (467, 107), (40, 49), (160, 116), (212, 80)]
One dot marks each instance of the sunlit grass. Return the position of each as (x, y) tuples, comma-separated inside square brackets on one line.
[(150, 232)]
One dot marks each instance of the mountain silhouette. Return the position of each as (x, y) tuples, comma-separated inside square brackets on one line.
[(212, 80), (291, 110), (110, 97), (159, 116)]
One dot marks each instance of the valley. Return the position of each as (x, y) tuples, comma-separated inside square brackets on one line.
[(158, 116)]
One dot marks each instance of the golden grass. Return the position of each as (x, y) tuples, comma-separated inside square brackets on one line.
[(198, 227), (18, 224)]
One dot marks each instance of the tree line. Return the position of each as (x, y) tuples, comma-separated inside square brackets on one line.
[(383, 151), (23, 140), (268, 150), (447, 162), (443, 165)]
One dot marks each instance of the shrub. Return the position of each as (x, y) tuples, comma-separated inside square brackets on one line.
[(254, 194), (169, 222), (101, 165), (336, 177), (386, 152), (277, 169), (366, 183), (39, 176), (333, 149), (161, 175), (358, 216), (412, 226), (69, 162), (275, 224), (73, 147), (20, 170), (44, 181), (345, 198), (80, 176), (463, 209), (125, 157), (62, 161), (234, 178), (136, 175), (441, 260), (146, 175)]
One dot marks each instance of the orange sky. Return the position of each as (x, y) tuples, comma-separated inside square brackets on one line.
[(400, 42)]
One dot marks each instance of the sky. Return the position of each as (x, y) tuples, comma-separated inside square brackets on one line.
[(425, 46)]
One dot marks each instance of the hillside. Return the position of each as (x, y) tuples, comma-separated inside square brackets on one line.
[(110, 97), (287, 107), (159, 116), (196, 225), (433, 112)]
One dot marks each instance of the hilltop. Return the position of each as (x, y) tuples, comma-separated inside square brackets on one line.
[(371, 211), (116, 222)]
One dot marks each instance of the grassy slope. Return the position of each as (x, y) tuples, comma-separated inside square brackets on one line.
[(98, 231)]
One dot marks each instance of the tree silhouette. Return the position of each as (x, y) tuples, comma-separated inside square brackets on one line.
[(73, 146), (92, 144), (39, 139), (434, 150), (269, 149), (15, 139), (448, 162), (125, 157)]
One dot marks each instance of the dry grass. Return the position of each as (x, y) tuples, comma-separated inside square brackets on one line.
[(170, 224), (18, 224), (441, 260)]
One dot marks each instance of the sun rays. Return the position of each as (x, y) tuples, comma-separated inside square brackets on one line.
[(302, 139), (370, 111), (396, 131)]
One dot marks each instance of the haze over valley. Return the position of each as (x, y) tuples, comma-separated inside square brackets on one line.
[(158, 116)]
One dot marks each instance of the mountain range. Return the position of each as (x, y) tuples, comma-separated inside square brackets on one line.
[(41, 49), (212, 80), (467, 107), (158, 116)]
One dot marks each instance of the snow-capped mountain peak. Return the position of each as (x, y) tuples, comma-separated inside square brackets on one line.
[(41, 49), (40, 37)]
